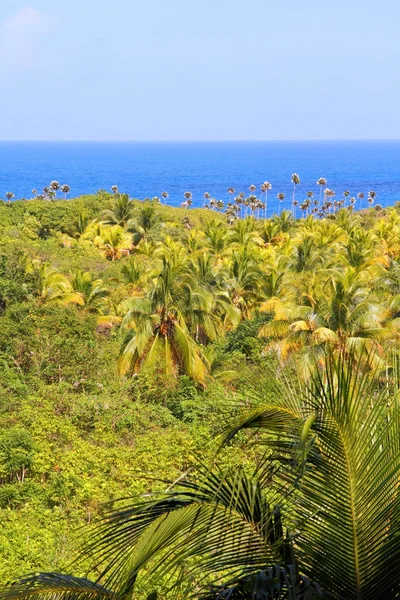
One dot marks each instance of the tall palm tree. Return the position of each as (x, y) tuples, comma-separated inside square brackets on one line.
[(281, 197), (9, 196), (371, 197), (231, 191), (188, 199), (54, 187), (34, 193), (360, 196), (65, 190), (322, 184), (266, 187), (296, 181), (114, 189), (164, 195)]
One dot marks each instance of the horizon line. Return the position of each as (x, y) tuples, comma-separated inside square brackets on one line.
[(197, 141)]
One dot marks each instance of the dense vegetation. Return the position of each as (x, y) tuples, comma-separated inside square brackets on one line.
[(132, 334)]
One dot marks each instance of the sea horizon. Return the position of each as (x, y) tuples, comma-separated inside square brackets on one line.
[(146, 168)]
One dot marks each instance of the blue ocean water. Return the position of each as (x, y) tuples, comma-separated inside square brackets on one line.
[(145, 169)]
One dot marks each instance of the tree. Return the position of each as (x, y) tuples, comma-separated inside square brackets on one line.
[(281, 198), (322, 184), (80, 288), (65, 190), (121, 212), (164, 195), (296, 181), (156, 326), (144, 220), (188, 199), (54, 187), (341, 317), (9, 196)]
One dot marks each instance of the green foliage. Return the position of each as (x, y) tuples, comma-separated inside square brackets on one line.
[(205, 319)]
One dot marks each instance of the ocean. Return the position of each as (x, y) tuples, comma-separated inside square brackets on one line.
[(146, 169)]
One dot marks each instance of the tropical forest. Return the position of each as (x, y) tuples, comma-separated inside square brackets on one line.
[(197, 403)]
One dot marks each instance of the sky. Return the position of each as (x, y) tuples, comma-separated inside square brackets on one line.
[(199, 69)]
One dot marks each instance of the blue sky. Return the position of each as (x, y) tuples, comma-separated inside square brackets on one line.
[(199, 69)]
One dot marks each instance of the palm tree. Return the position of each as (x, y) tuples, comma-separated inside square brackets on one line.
[(114, 189), (322, 184), (164, 195), (281, 198), (80, 289), (144, 221), (341, 317), (371, 197), (188, 199), (121, 212), (360, 196), (231, 191), (34, 193), (65, 190), (266, 186), (54, 187), (115, 242), (156, 326), (296, 181), (9, 196)]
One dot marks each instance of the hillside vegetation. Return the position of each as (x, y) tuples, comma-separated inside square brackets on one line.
[(133, 333)]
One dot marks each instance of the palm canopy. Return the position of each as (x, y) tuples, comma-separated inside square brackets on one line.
[(156, 327), (79, 288), (342, 314), (121, 211)]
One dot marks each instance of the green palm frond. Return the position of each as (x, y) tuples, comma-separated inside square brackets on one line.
[(52, 586), (349, 500)]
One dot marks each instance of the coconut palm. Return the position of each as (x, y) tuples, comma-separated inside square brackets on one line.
[(122, 210), (281, 197), (115, 242), (144, 222), (80, 289), (114, 189), (295, 179), (360, 196), (188, 199), (65, 190), (322, 184), (342, 316), (156, 326), (34, 193), (164, 195), (371, 197), (266, 186), (9, 196), (54, 187)]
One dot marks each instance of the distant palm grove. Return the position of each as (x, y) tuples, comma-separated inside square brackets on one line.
[(199, 403)]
